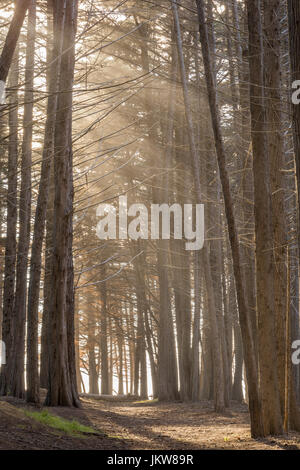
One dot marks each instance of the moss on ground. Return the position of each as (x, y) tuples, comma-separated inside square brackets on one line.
[(71, 428)]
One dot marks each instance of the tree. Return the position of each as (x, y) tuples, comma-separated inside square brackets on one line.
[(41, 209), (11, 225), (272, 421), (16, 385), (244, 316), (21, 7), (62, 387)]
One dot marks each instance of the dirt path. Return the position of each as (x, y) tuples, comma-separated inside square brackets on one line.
[(134, 425)]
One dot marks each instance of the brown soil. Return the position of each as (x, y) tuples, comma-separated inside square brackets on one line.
[(131, 425)]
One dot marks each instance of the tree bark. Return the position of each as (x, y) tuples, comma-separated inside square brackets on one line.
[(17, 353), (41, 210), (294, 42), (21, 7), (103, 336), (62, 389), (272, 420), (244, 315), (11, 242)]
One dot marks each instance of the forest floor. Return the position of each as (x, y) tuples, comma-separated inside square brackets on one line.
[(134, 425)]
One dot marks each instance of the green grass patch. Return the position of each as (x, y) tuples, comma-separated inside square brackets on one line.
[(71, 428), (146, 402)]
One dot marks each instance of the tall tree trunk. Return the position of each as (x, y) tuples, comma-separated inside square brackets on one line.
[(218, 366), (244, 166), (91, 344), (150, 349), (294, 39), (104, 336), (272, 420), (140, 368), (207, 370), (244, 315), (272, 47), (237, 388), (167, 366), (195, 372), (62, 389), (11, 243), (120, 357), (17, 356), (21, 7), (47, 291), (294, 42), (181, 285), (77, 343), (40, 213)]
